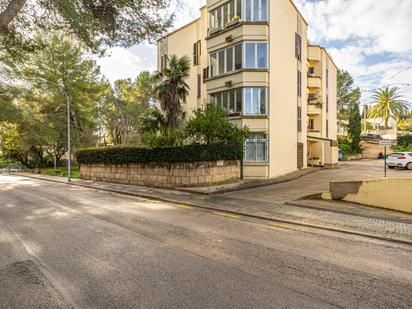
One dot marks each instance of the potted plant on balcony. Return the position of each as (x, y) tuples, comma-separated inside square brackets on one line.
[(235, 20)]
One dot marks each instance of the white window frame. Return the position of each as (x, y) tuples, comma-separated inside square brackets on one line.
[(255, 140), (259, 101), (255, 66), (260, 10), (227, 93)]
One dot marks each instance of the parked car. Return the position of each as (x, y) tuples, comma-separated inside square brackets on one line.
[(400, 159), (340, 155), (373, 138)]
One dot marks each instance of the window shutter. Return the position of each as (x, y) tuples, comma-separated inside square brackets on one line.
[(205, 74), (199, 86), (195, 54)]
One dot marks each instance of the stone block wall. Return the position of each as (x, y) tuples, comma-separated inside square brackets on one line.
[(163, 175)]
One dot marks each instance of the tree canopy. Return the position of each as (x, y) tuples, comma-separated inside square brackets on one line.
[(346, 94), (388, 103), (95, 23), (47, 80)]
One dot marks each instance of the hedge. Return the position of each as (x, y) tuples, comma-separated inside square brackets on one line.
[(405, 140), (188, 153)]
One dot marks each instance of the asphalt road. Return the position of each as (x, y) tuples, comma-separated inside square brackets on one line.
[(63, 246)]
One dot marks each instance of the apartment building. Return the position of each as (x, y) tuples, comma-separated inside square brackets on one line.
[(253, 58)]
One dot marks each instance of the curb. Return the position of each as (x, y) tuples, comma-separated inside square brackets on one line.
[(249, 185), (347, 213), (159, 198)]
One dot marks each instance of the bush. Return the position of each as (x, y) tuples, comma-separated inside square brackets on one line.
[(188, 153), (210, 125), (168, 138), (405, 140)]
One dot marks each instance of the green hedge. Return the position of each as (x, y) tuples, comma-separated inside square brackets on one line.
[(188, 153), (405, 140)]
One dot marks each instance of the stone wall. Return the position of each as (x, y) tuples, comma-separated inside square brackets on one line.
[(164, 175)]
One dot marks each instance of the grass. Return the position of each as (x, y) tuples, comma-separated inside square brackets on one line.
[(61, 171)]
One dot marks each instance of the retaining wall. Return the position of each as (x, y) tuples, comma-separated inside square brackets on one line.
[(164, 175), (395, 194)]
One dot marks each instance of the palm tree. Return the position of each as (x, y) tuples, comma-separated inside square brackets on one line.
[(154, 120), (388, 103), (172, 88)]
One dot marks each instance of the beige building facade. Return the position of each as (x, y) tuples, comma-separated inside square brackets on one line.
[(253, 58)]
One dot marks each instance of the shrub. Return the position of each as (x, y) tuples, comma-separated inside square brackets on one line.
[(188, 153), (405, 140), (210, 125), (170, 137)]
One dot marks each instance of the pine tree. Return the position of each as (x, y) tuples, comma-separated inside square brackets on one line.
[(355, 128)]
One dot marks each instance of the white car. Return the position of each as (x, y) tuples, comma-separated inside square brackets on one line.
[(400, 159)]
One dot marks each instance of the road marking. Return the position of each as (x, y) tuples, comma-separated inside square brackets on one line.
[(226, 215), (185, 207)]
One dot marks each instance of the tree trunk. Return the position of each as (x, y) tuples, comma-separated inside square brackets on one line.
[(13, 8)]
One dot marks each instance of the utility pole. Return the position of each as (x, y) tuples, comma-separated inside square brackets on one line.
[(69, 176), (69, 150)]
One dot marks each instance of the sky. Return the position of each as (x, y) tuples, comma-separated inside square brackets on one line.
[(372, 39)]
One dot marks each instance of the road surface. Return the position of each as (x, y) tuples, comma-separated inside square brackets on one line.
[(64, 246)]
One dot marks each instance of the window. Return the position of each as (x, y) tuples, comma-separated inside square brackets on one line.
[(199, 86), (256, 10), (298, 46), (238, 100), (224, 14), (311, 125), (250, 55), (163, 62), (256, 55), (327, 128), (262, 55), (255, 101), (205, 74), (227, 60), (327, 78), (221, 61), (299, 83), (196, 53), (299, 119), (256, 148), (311, 71), (327, 103), (213, 65), (238, 8), (230, 101), (238, 57)]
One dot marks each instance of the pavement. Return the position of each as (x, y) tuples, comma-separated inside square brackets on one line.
[(281, 202), (319, 181), (89, 248)]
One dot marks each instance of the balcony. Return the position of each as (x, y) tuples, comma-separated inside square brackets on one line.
[(314, 109), (239, 78), (314, 53), (314, 133), (314, 82), (234, 33)]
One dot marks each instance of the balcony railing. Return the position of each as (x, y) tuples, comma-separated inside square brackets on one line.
[(314, 82)]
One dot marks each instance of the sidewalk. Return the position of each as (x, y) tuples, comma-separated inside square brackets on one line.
[(250, 184), (376, 223)]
